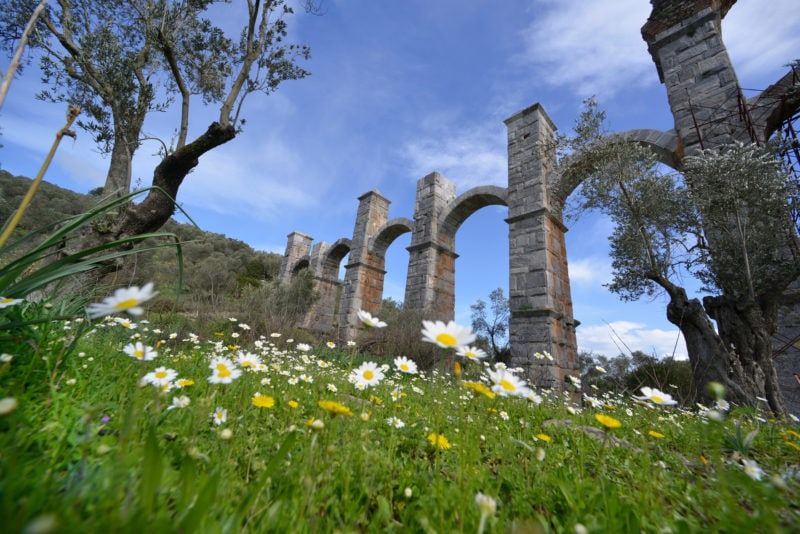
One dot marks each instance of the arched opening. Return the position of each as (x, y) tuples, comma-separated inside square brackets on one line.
[(482, 264)]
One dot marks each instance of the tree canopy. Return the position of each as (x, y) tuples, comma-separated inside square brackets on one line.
[(726, 221), (121, 60)]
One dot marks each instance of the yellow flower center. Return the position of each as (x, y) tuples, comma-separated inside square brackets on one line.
[(508, 386), (139, 354), (125, 304), (223, 371), (404, 367), (469, 354), (656, 399), (447, 339), (161, 374), (6, 300), (369, 375)]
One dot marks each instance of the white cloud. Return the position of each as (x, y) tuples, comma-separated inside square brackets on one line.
[(250, 178), (589, 46), (469, 157), (761, 41), (594, 270), (617, 337)]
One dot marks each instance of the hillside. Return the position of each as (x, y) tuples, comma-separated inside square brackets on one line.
[(215, 266)]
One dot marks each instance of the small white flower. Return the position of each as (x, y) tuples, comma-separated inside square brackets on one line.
[(124, 299), (471, 353), (395, 422), (8, 405), (140, 351), (5, 302), (220, 415), (752, 469), (179, 402), (405, 365), (487, 505), (369, 321), (656, 396), (447, 336)]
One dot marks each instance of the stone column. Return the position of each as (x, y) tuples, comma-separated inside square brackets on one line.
[(321, 315), (364, 275), (685, 40), (539, 292), (298, 247), (430, 282)]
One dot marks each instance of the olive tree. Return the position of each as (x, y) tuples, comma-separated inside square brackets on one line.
[(726, 221), (121, 60)]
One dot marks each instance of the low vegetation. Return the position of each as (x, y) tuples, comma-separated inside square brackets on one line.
[(121, 424)]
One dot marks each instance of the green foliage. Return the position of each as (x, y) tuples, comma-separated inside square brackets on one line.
[(656, 226), (491, 323), (744, 195), (276, 307), (216, 271), (95, 451), (626, 375), (401, 336)]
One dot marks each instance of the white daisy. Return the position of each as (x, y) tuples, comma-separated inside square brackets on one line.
[(471, 353), (367, 374), (405, 365), (140, 351), (369, 321), (123, 299), (507, 384), (447, 336)]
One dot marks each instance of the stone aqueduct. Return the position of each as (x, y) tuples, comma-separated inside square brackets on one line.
[(539, 291), (684, 38)]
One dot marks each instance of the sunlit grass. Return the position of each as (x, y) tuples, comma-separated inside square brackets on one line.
[(210, 436)]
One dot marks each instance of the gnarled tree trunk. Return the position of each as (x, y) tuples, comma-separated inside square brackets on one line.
[(708, 355), (747, 328)]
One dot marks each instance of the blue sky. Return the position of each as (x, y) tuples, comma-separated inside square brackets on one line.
[(401, 89)]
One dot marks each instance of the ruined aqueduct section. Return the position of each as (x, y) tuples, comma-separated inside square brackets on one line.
[(685, 40)]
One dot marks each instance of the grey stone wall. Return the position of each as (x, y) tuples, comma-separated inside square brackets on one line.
[(539, 292), (364, 275), (298, 249), (431, 266)]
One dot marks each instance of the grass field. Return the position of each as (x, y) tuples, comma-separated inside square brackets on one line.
[(194, 433)]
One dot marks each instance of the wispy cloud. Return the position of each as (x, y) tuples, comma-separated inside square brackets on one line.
[(617, 337), (588, 46), (469, 156), (594, 270), (762, 39), (227, 182)]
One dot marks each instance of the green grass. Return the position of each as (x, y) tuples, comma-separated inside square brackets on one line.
[(89, 449)]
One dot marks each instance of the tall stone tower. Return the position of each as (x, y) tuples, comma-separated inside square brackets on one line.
[(539, 291)]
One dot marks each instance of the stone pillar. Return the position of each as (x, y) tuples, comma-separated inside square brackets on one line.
[(430, 282), (363, 282), (685, 40), (539, 292), (321, 315), (298, 247)]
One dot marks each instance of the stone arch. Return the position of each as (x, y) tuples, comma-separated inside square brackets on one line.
[(299, 265), (325, 261), (574, 168), (332, 258), (442, 298), (468, 203), (386, 234)]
